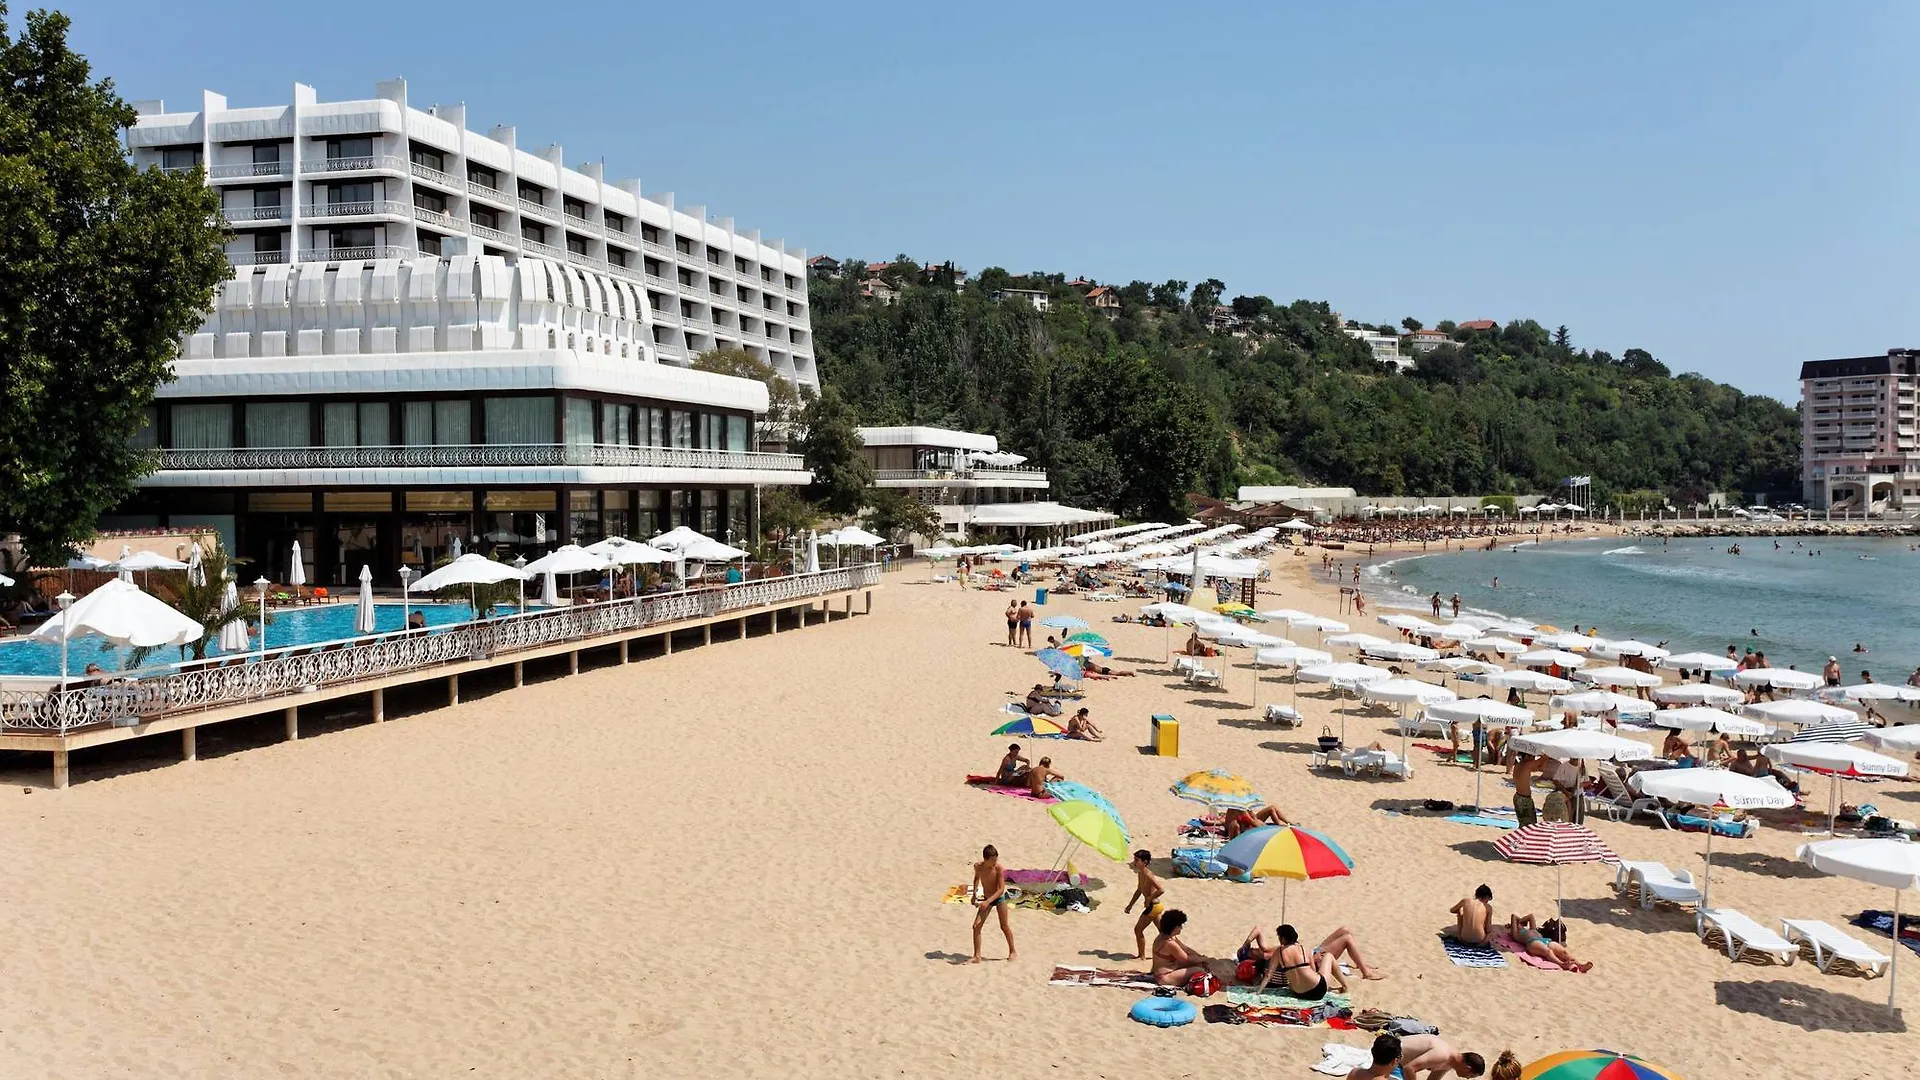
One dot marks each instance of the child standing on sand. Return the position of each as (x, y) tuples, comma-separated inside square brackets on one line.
[(990, 894), (1147, 892)]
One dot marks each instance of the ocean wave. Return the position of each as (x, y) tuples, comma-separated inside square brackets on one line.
[(1379, 569), (1630, 549)]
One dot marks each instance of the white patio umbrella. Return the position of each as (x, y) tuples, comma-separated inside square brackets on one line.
[(1714, 788), (1399, 651), (119, 612), (1493, 643), (1630, 647), (1290, 616), (297, 572), (1559, 640), (1601, 702), (678, 537), (709, 551), (855, 536), (1708, 661), (1801, 711), (1407, 621), (469, 569), (1485, 711), (363, 622), (568, 559), (1401, 693), (1550, 658), (1866, 692), (233, 635), (1340, 677), (1698, 694), (1459, 665), (1777, 678), (1570, 744), (1612, 675), (1836, 759), (1904, 739), (1708, 718), (1457, 631), (1355, 640), (1527, 681), (1891, 863)]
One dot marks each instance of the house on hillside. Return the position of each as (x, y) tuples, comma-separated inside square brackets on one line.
[(1105, 301), (823, 266), (1222, 318), (1386, 347), (1079, 283), (878, 289), (1035, 297), (1479, 324), (876, 269), (930, 274), (1419, 342)]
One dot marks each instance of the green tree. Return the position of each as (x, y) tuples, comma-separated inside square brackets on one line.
[(830, 445), (1563, 340), (894, 515), (204, 603), (103, 268), (783, 400), (784, 514), (1411, 324), (1446, 326), (1206, 296), (1170, 295)]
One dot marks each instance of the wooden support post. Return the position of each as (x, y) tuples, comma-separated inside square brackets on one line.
[(869, 610), (189, 744), (453, 689), (573, 662), (61, 771), (849, 599), (743, 628), (519, 673), (379, 706), (293, 722)]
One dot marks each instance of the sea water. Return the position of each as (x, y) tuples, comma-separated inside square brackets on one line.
[(1799, 602)]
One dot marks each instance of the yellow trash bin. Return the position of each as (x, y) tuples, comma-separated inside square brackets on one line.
[(1166, 736)]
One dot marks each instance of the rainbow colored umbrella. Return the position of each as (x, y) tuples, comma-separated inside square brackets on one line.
[(1031, 725), (1595, 1065), (1078, 649), (1288, 852), (1216, 787)]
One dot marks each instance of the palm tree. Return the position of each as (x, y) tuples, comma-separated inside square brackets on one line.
[(202, 603)]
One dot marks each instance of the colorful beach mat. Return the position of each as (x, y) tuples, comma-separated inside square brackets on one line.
[(1473, 956), (1088, 976), (1488, 820), (1881, 922), (1271, 998), (1032, 901), (992, 783), (1504, 941), (1256, 1014)]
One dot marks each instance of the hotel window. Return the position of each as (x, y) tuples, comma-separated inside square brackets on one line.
[(485, 177), (616, 256), (349, 193), (532, 193), (737, 512), (680, 428), (533, 231), (683, 245), (740, 265), (576, 244), (519, 421), (429, 242), (437, 423), (614, 519), (792, 282), (359, 236), (279, 423), (650, 234), (574, 208), (430, 200), (616, 222), (266, 154), (583, 517), (357, 147), (428, 159), (268, 243), (579, 423), (180, 157), (646, 515), (736, 433), (348, 423), (484, 217), (266, 198), (656, 433), (710, 513), (616, 424), (679, 509)]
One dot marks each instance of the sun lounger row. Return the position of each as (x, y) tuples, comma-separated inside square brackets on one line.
[(1738, 933)]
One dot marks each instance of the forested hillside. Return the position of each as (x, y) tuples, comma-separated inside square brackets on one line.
[(1181, 390)]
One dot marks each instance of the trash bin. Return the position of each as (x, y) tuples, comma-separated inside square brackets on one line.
[(1166, 735), (1040, 598)]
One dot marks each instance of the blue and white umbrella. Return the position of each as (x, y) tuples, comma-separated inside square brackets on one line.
[(1060, 663), (1064, 622)]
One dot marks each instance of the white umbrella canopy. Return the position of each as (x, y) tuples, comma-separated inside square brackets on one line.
[(1522, 679), (363, 615), (1485, 710), (1295, 525), (1708, 718), (1324, 625), (1406, 692), (1698, 694), (119, 612), (567, 559), (1556, 640), (1496, 644), (150, 560), (709, 551), (1290, 616), (1872, 691), (1891, 864), (1713, 788), (1356, 641), (1550, 658), (1710, 661), (1394, 650), (678, 537), (1800, 711), (297, 570), (1840, 758), (1588, 702), (855, 536), (89, 562), (1459, 665), (1569, 744), (1343, 675), (1904, 739), (629, 553), (1294, 656), (1630, 647), (1173, 611), (1619, 676), (1778, 678), (469, 569), (233, 635), (1457, 631), (1405, 621)]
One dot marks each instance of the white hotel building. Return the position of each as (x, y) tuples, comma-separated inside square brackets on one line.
[(1859, 439), (435, 338)]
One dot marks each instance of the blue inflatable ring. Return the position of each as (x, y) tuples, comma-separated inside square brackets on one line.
[(1163, 1012)]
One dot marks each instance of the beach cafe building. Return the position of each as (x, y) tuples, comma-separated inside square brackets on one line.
[(973, 484)]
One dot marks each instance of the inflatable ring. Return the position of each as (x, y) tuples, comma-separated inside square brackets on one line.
[(1163, 1012)]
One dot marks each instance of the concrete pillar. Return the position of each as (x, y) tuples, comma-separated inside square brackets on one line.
[(706, 634), (519, 673), (453, 689), (666, 642), (293, 722), (849, 599), (379, 706), (743, 628), (62, 774), (869, 610), (189, 744), (623, 650), (573, 662)]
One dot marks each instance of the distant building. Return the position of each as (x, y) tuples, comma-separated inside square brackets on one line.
[(1079, 283), (823, 266), (878, 289), (1222, 318), (876, 269), (1037, 297), (971, 484), (1105, 301), (1424, 341), (1858, 444), (931, 273), (1479, 324), (1386, 347)]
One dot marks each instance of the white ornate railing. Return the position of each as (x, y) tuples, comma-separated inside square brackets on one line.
[(251, 168), (306, 669), (356, 208), (978, 473), (482, 455), (354, 164), (538, 209), (257, 213)]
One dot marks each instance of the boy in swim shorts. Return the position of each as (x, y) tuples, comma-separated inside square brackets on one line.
[(1148, 892)]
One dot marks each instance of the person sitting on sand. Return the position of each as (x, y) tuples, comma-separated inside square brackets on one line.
[(1675, 748), (1306, 973), (1080, 726), (1149, 893), (1429, 1057), (1039, 704), (1473, 917), (1722, 751), (1013, 768), (1527, 935), (1037, 777), (1173, 962), (1196, 647)]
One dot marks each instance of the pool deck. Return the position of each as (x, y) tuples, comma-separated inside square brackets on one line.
[(778, 615)]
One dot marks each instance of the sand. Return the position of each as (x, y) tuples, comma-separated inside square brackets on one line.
[(729, 862)]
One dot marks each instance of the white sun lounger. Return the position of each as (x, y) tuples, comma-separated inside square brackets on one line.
[(1419, 724), (1381, 762), (1741, 934), (1830, 943), (1202, 677), (1284, 714), (1655, 882)]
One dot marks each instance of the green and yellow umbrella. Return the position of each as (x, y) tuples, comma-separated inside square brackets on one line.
[(1090, 637), (1094, 825), (1595, 1065)]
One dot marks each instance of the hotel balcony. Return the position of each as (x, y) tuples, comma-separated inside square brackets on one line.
[(388, 208), (491, 463), (360, 254), (490, 194), (978, 476), (435, 177), (539, 210), (241, 215), (381, 163), (251, 170)]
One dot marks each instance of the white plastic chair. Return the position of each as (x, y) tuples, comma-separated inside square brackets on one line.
[(1830, 943), (1742, 934), (1656, 883)]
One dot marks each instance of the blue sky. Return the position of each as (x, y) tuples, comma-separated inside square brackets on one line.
[(1728, 185)]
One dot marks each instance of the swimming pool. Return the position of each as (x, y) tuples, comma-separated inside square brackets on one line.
[(285, 627)]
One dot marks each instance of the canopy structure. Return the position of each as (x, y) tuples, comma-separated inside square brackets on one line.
[(1891, 864), (1837, 760), (1777, 678), (1601, 703), (472, 568), (1614, 676), (1580, 744), (149, 560), (119, 612), (1716, 788), (1522, 679), (852, 536), (1698, 694), (1555, 844), (1708, 718), (1801, 711)]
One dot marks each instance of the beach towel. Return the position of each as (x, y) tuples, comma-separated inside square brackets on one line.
[(1463, 757), (1201, 862), (1032, 901), (1046, 877), (1504, 941), (1274, 997), (1881, 922), (1691, 823), (1489, 820), (1474, 956), (1339, 1059), (1087, 976), (1259, 1014), (993, 784)]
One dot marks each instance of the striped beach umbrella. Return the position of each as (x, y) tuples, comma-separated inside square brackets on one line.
[(1288, 852), (1030, 725), (1555, 844), (1217, 787), (1595, 1065)]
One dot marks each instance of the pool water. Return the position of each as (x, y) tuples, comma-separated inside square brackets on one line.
[(285, 627)]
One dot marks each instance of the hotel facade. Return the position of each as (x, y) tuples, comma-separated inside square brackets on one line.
[(1859, 440), (437, 341), (973, 485)]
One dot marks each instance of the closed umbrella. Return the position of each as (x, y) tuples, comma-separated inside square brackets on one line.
[(1717, 788), (1555, 844), (550, 589), (124, 574), (813, 553), (297, 572), (119, 612), (196, 571), (363, 622), (233, 634), (1893, 864), (1836, 759)]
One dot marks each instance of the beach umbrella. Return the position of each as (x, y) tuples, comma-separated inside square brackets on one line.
[(1459, 665), (1595, 1065), (1093, 825), (1904, 739), (233, 635), (549, 590), (1550, 658), (1601, 702), (853, 536), (1630, 647), (1399, 651), (1708, 661), (1405, 692), (297, 568), (1555, 844), (1716, 788), (1089, 637), (1484, 711), (1288, 852), (1217, 787), (1083, 649), (119, 612), (1524, 680), (1894, 864), (472, 569), (1059, 663), (1030, 725), (1344, 676), (1708, 718), (1873, 691), (1236, 609), (1405, 621), (1582, 744), (1777, 678), (1064, 622), (1619, 676), (1836, 759), (1290, 616), (1557, 640), (1698, 694), (1457, 631), (1495, 644), (363, 613), (1801, 711), (1356, 641), (678, 537)]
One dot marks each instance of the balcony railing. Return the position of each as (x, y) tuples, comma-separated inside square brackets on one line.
[(251, 168), (978, 472), (374, 162), (588, 261), (528, 206), (489, 455), (535, 247), (583, 224), (381, 251), (485, 233), (438, 219), (256, 679), (475, 187), (358, 208), (433, 176), (654, 247), (257, 258), (258, 213)]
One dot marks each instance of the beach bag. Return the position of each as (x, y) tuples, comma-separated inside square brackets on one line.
[(1439, 806), (1554, 930), (1329, 742), (1072, 896), (1202, 984), (1247, 972)]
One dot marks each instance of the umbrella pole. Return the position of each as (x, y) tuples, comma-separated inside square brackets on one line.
[(1283, 902), (1833, 814), (1706, 883), (1557, 894), (1478, 778), (1893, 971)]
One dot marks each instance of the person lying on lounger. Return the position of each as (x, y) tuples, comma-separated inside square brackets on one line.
[(1527, 935), (1080, 726), (1473, 917), (1039, 704), (1173, 962)]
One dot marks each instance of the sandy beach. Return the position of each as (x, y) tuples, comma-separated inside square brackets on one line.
[(730, 862)]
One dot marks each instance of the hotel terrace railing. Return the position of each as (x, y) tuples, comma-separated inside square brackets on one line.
[(975, 473), (251, 678), (487, 454)]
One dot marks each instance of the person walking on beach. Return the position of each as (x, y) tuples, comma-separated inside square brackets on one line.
[(1436, 605), (1148, 893), (990, 894), (1456, 605)]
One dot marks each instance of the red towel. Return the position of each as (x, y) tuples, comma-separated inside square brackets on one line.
[(993, 784)]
